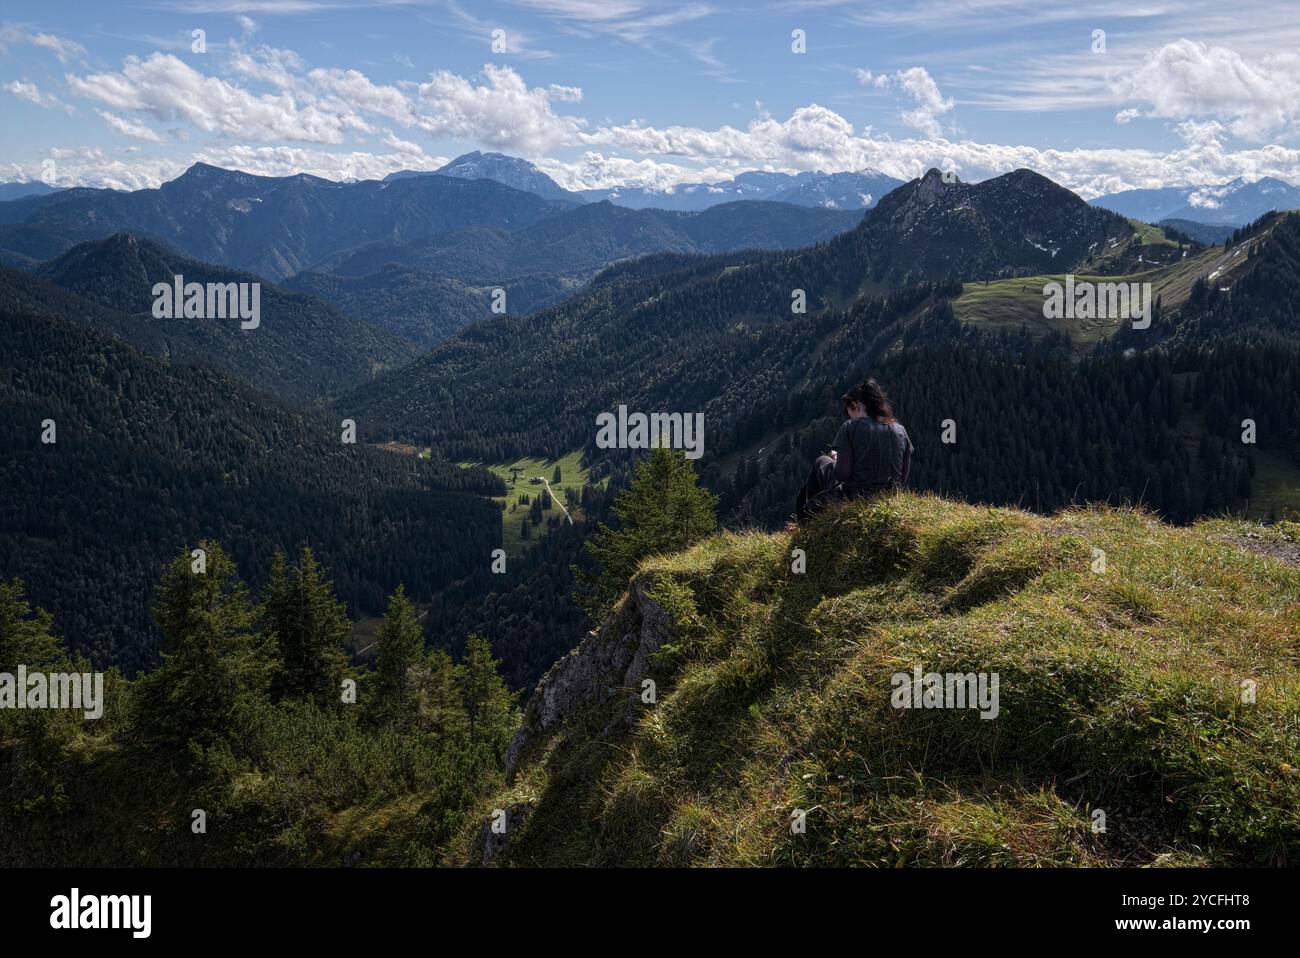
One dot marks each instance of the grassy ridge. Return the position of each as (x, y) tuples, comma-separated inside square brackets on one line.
[(1012, 303), (1120, 691)]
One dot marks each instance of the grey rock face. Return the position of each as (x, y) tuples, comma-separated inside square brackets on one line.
[(604, 666)]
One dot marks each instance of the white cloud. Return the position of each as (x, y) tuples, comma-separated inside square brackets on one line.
[(171, 90), (137, 131), (61, 47), (31, 93), (1187, 78), (629, 20), (1126, 116), (916, 83), (287, 161), (503, 111)]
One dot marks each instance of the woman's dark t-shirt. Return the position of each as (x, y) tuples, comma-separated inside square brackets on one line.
[(871, 454)]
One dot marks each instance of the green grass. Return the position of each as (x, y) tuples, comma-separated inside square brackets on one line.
[(1119, 691), (1150, 235), (1012, 303), (573, 476)]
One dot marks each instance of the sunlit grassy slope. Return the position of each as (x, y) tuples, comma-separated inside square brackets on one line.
[(1012, 303), (1162, 693)]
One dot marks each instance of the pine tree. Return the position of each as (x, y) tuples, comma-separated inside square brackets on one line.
[(211, 654), (310, 627), (25, 637), (489, 705), (400, 650), (663, 510), (442, 710)]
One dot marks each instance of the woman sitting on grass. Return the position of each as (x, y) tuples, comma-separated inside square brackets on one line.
[(872, 454)]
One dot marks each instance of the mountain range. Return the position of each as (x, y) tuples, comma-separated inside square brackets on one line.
[(937, 289), (1234, 203), (14, 191), (928, 231), (841, 191), (419, 255), (836, 191)]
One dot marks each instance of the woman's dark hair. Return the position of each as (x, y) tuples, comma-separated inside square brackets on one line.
[(873, 399)]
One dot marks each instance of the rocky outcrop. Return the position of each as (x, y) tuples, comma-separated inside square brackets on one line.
[(605, 666)]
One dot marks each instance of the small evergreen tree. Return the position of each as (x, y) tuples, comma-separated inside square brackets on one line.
[(25, 637), (400, 649), (310, 627), (489, 705), (663, 510), (211, 655), (442, 710)]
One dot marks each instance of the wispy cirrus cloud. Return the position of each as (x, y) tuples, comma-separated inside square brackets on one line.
[(63, 48)]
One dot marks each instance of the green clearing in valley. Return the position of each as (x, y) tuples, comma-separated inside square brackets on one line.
[(518, 485)]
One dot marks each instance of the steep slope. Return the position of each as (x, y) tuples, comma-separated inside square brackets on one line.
[(149, 458), (411, 303), (302, 348), (1015, 224), (277, 226), (777, 735)]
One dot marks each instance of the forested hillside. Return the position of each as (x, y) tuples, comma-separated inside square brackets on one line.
[(255, 743), (301, 349), (148, 459)]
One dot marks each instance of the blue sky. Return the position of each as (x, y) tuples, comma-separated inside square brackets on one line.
[(607, 92)]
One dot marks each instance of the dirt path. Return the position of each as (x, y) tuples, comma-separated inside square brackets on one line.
[(555, 499)]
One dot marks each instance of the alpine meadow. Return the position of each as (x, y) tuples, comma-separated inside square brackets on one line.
[(851, 446)]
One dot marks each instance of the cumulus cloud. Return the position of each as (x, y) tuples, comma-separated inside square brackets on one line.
[(322, 105), (382, 125), (91, 166), (502, 111), (915, 82), (171, 90), (1187, 78)]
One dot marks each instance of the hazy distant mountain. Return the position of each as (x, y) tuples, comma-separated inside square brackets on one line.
[(302, 348), (508, 170), (431, 288), (1235, 203), (843, 191), (580, 242), (14, 191), (277, 226)]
